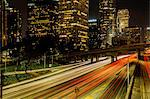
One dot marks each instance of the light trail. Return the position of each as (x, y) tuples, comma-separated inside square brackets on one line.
[(116, 65), (84, 83)]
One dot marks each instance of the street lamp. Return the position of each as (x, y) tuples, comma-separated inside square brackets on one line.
[(51, 50), (128, 74), (5, 59), (44, 60)]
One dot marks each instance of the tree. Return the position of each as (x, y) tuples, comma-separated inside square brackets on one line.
[(35, 47)]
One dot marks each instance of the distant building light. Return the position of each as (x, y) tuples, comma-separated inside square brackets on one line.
[(92, 20), (91, 24), (148, 28), (31, 4), (9, 8)]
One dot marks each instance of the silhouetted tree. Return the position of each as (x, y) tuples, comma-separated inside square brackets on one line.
[(37, 46)]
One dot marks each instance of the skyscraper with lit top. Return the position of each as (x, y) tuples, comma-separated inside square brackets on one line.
[(73, 24)]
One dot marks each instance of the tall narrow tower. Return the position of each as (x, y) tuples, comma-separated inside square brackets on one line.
[(73, 24), (107, 12)]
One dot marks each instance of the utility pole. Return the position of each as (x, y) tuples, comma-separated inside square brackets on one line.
[(1, 24), (6, 62), (128, 74), (1, 85)]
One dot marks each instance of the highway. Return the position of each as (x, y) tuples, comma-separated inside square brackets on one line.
[(141, 86), (141, 82), (53, 71), (50, 79), (64, 84), (114, 87)]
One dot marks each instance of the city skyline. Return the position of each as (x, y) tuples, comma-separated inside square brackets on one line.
[(74, 49), (139, 10), (40, 21)]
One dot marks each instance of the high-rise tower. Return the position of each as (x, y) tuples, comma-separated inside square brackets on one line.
[(122, 19), (107, 13), (73, 24), (42, 17), (14, 26)]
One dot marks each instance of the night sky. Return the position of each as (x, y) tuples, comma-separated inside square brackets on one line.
[(139, 10)]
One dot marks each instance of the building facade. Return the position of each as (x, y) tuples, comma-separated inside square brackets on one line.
[(95, 38), (129, 35), (107, 14), (73, 24), (4, 22), (11, 25), (122, 19), (14, 32), (147, 35), (42, 17)]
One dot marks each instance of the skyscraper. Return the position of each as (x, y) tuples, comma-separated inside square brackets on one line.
[(122, 19), (94, 34), (42, 17), (14, 26), (73, 24), (107, 13)]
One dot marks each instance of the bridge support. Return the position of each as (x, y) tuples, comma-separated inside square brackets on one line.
[(75, 59), (139, 55), (82, 58), (97, 58), (86, 58), (92, 59), (116, 58), (112, 59)]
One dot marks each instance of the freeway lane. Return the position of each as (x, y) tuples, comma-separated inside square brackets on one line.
[(44, 86), (50, 81), (84, 83), (102, 89), (54, 71), (141, 86)]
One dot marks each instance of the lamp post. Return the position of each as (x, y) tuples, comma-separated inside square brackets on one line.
[(128, 74), (1, 84), (51, 50), (5, 62)]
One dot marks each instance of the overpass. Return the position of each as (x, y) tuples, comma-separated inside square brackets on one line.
[(113, 52)]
